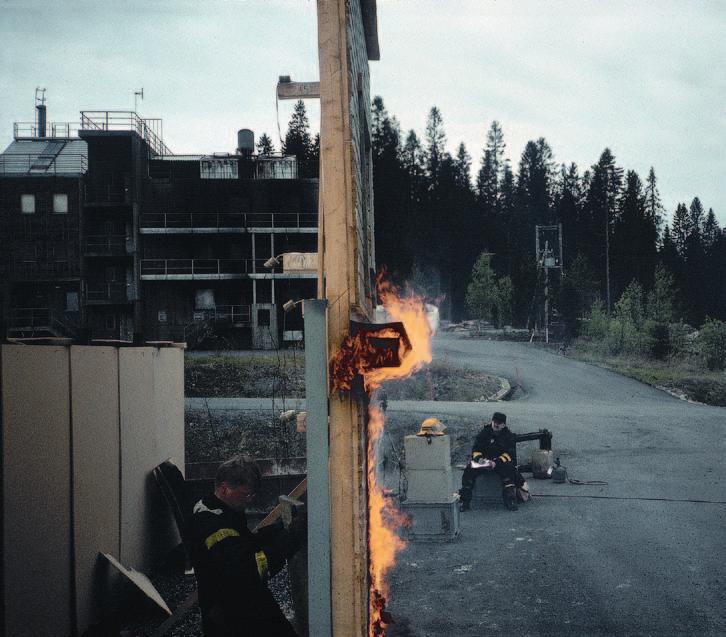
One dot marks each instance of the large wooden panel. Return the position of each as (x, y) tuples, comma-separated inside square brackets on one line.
[(152, 430), (36, 491), (96, 474)]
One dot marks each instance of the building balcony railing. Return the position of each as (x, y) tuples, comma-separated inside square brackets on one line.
[(29, 270), (28, 320), (34, 164), (106, 194), (225, 221), (107, 293), (200, 268), (105, 245), (148, 129), (226, 314)]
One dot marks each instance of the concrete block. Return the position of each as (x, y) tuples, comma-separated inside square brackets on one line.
[(430, 485), (422, 455), (433, 522)]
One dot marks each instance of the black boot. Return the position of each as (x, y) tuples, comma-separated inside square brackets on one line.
[(509, 498), (465, 496)]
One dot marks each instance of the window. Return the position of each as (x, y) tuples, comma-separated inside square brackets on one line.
[(60, 204), (110, 321), (72, 302), (162, 316), (27, 204)]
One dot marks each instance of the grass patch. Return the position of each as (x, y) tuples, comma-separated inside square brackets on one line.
[(268, 376), (680, 376), (257, 376)]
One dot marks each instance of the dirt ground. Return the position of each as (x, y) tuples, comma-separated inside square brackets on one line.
[(271, 376)]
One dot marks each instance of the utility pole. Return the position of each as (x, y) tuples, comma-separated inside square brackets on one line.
[(347, 39), (548, 237), (607, 257)]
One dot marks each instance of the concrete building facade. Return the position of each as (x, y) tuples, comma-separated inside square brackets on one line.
[(108, 235)]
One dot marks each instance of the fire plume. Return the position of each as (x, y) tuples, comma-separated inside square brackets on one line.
[(395, 351)]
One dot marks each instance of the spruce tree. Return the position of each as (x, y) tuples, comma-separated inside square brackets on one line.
[(265, 145), (297, 139)]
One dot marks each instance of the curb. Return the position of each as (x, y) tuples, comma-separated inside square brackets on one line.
[(505, 389)]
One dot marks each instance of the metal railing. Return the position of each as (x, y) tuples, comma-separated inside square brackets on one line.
[(41, 319), (105, 245), (54, 130), (107, 292), (234, 314), (35, 164), (34, 270), (200, 267), (106, 193), (148, 129), (222, 220)]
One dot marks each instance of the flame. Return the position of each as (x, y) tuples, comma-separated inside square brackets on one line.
[(384, 519)]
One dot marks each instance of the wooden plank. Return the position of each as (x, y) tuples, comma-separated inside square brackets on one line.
[(340, 285), (96, 473), (36, 467), (151, 408)]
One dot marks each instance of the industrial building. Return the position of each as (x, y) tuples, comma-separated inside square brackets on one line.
[(106, 234)]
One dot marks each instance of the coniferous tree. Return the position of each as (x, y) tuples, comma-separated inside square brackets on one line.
[(602, 199), (394, 239), (568, 204), (634, 248), (265, 145), (681, 228), (653, 205), (435, 146), (297, 139)]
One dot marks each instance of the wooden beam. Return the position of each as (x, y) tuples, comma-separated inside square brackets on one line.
[(339, 285)]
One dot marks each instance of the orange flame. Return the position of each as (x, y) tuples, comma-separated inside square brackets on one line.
[(384, 520)]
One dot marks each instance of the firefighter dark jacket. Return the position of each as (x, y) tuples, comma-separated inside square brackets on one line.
[(499, 447), (232, 564)]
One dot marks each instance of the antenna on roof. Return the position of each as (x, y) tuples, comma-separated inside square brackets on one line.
[(138, 94)]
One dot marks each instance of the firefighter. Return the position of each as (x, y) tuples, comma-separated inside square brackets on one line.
[(232, 564), (493, 450)]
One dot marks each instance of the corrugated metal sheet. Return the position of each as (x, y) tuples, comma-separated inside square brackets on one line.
[(40, 157)]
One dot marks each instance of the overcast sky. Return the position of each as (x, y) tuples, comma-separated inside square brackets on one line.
[(645, 78)]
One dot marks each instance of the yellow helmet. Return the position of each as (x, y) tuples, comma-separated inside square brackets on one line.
[(431, 427)]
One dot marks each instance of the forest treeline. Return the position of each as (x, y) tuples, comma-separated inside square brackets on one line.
[(435, 220)]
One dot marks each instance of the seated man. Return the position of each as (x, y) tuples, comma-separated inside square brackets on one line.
[(494, 450), (232, 564)]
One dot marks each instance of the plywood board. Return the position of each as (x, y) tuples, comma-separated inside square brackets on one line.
[(96, 473), (151, 407), (36, 495)]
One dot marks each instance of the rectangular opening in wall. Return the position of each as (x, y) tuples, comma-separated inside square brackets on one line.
[(27, 204), (110, 321), (72, 302), (60, 204), (263, 318)]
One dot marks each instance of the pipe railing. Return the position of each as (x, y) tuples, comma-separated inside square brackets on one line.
[(200, 267), (222, 220), (107, 292), (105, 244), (53, 130), (127, 120)]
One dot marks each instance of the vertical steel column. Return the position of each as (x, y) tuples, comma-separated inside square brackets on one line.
[(318, 502)]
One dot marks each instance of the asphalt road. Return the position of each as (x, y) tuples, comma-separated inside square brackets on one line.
[(643, 555)]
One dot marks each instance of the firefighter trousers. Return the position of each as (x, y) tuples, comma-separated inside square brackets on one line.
[(506, 471)]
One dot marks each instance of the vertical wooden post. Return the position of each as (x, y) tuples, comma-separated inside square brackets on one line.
[(339, 284)]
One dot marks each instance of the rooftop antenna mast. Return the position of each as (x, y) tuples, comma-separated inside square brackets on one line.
[(138, 94)]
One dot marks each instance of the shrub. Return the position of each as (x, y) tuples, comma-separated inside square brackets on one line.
[(657, 339), (712, 344)]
